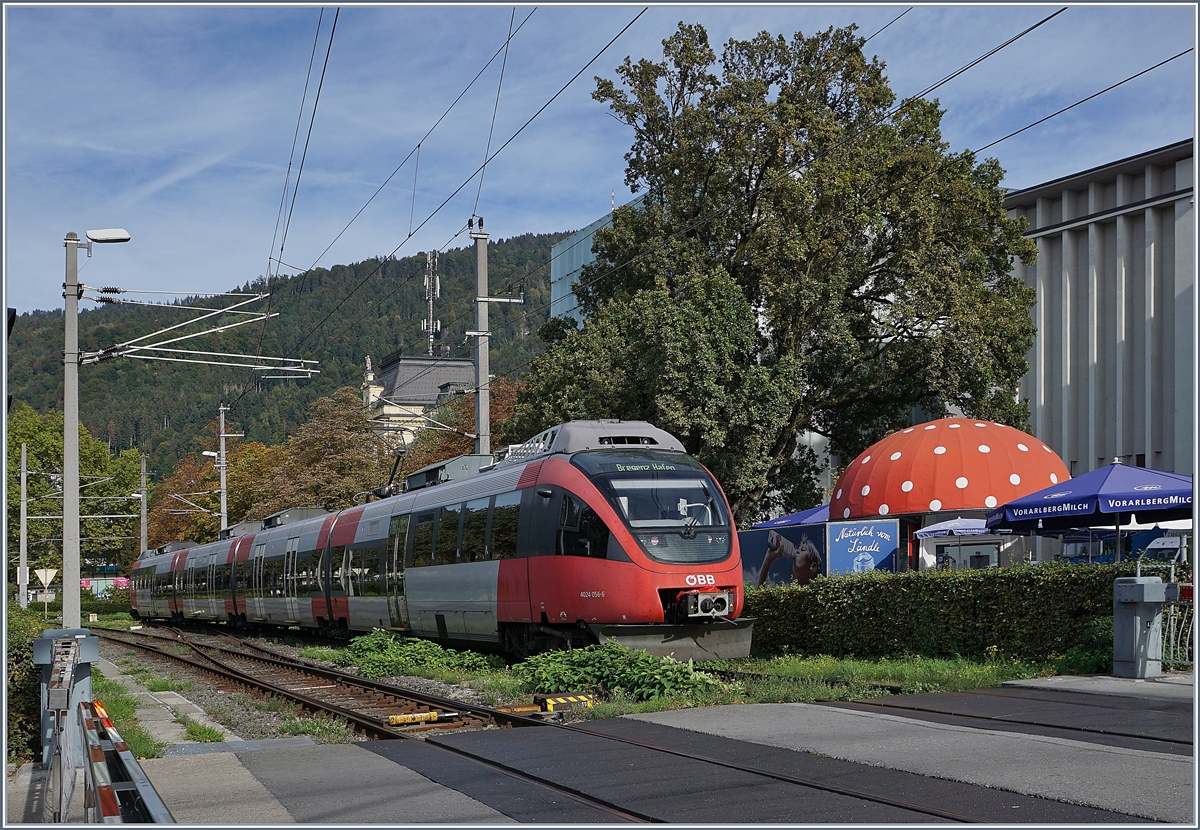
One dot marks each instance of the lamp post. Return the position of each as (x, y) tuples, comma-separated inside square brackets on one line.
[(71, 292)]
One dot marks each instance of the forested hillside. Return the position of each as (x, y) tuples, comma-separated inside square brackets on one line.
[(163, 408)]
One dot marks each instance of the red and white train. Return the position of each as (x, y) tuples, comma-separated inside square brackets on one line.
[(590, 531)]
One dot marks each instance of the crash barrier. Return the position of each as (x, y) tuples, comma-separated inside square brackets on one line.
[(116, 789), (76, 732)]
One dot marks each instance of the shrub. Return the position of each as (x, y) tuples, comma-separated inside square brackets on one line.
[(1094, 653), (381, 654), (612, 668), (1032, 612), (24, 682)]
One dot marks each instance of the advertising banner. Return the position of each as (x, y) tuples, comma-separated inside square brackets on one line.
[(856, 547), (782, 556)]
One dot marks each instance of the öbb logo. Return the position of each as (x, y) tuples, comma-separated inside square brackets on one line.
[(701, 579)]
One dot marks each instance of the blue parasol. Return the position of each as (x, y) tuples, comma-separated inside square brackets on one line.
[(811, 516), (1109, 497)]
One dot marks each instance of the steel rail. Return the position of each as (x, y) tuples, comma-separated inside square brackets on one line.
[(369, 726), (1014, 721)]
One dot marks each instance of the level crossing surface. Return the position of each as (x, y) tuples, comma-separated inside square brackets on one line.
[(978, 768)]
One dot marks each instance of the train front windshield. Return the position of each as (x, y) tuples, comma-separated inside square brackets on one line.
[(670, 504)]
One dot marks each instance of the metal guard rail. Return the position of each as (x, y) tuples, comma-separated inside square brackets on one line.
[(116, 789)]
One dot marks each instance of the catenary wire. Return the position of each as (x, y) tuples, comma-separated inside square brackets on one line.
[(419, 143), (984, 147), (495, 109), (473, 174), (727, 207), (287, 178)]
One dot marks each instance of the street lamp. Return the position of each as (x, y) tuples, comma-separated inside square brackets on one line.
[(71, 294)]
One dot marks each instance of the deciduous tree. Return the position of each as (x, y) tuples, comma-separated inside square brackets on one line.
[(808, 257)]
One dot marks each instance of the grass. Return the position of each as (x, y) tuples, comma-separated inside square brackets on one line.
[(912, 674), (163, 684), (121, 709), (323, 730), (199, 732)]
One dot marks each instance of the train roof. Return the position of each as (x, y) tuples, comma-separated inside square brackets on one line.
[(580, 436)]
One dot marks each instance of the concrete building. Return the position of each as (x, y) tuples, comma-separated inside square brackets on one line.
[(409, 388), (1110, 373)]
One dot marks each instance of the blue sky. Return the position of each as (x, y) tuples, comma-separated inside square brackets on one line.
[(176, 122)]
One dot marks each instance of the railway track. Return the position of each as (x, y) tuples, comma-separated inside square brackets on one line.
[(369, 707)]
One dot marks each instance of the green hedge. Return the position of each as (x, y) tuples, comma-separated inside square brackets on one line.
[(24, 682), (1030, 612)]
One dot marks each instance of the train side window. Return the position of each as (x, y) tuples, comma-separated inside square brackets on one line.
[(397, 530), (372, 578), (340, 579), (566, 540), (474, 532), (422, 548), (593, 534), (505, 515), (319, 572), (449, 526)]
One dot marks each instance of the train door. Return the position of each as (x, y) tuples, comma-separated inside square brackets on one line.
[(215, 610), (189, 596), (255, 604), (291, 603), (397, 601)]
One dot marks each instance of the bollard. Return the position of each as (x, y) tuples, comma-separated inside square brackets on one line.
[(1137, 626)]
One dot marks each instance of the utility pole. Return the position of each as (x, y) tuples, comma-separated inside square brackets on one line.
[(71, 618), (23, 562), (433, 290), (483, 421), (145, 535), (222, 464)]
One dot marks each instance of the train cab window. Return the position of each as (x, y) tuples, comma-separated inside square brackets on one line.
[(422, 548), (448, 534), (580, 531), (505, 515), (474, 531)]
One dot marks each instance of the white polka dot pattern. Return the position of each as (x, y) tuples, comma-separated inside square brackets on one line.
[(913, 469)]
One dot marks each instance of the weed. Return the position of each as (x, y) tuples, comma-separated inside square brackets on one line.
[(611, 668), (164, 684), (199, 732), (382, 654), (324, 730), (273, 704), (121, 709)]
